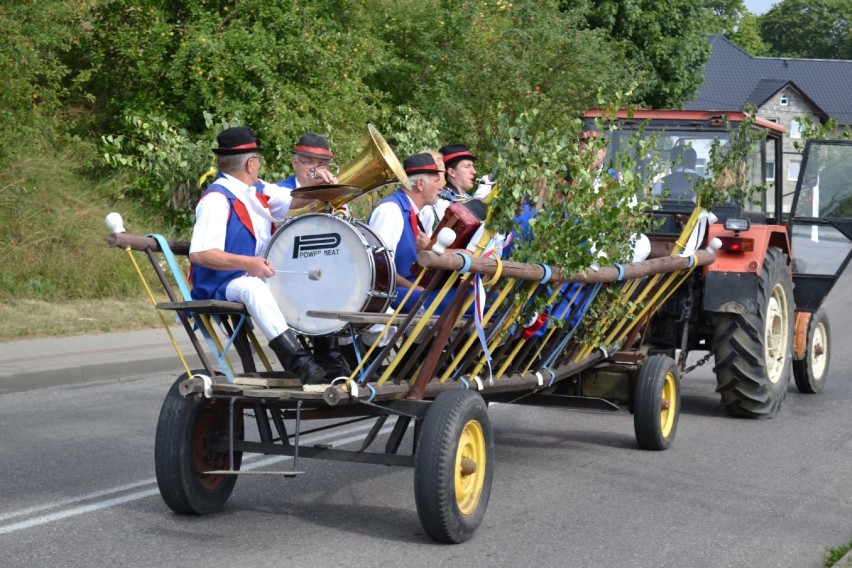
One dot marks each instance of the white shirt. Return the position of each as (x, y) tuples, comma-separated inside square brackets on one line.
[(388, 223), (213, 210)]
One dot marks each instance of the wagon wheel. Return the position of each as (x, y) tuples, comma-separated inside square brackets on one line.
[(656, 403), (454, 466), (810, 373), (186, 430)]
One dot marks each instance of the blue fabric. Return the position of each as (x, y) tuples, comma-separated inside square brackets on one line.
[(289, 183), (209, 284), (405, 252)]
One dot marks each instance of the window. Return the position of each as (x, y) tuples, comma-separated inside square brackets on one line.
[(785, 100), (772, 119), (770, 171), (795, 129), (793, 171)]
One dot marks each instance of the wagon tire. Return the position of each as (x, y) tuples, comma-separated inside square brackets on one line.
[(753, 351), (811, 372), (186, 427), (656, 403), (454, 466)]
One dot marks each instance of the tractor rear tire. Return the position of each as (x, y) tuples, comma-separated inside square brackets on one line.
[(753, 352), (811, 372)]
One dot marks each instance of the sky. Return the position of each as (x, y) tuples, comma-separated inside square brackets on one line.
[(758, 7)]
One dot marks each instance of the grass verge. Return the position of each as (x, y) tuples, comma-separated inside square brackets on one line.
[(834, 554), (29, 319)]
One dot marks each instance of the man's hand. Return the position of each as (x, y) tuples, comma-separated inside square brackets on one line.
[(422, 242), (259, 267), (323, 175)]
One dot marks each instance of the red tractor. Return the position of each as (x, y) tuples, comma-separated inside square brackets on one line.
[(757, 308)]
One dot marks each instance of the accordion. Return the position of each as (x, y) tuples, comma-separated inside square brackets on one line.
[(464, 218)]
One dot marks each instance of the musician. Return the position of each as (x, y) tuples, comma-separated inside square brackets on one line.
[(460, 174), (397, 220), (311, 160), (233, 224)]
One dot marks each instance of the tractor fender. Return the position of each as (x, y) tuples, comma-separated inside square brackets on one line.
[(731, 282), (763, 236)]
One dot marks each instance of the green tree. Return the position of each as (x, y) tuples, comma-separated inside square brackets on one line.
[(664, 41), (480, 58), (33, 38), (286, 67), (820, 29)]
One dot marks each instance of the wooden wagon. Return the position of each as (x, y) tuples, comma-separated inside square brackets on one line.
[(432, 374)]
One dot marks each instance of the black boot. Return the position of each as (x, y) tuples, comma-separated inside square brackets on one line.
[(327, 354), (294, 357)]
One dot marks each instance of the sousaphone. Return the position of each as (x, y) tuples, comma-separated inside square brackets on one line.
[(374, 167)]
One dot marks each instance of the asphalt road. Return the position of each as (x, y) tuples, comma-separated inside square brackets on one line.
[(570, 488)]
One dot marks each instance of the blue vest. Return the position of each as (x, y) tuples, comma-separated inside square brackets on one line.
[(289, 183), (405, 252), (209, 284)]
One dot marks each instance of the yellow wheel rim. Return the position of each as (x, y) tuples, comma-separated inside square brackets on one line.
[(470, 467), (668, 405)]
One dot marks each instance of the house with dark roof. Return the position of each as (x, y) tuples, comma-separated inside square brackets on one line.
[(782, 89)]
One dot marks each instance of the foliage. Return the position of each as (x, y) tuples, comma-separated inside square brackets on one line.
[(483, 58), (732, 19), (834, 554), (665, 41), (33, 37), (822, 30), (285, 67), (593, 215), (168, 162), (730, 181)]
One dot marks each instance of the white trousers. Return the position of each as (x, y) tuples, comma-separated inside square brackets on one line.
[(260, 304)]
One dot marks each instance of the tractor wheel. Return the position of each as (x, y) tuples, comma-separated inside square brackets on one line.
[(454, 466), (656, 403), (182, 452), (810, 373), (754, 351)]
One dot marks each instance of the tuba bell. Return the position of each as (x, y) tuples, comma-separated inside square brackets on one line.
[(374, 167)]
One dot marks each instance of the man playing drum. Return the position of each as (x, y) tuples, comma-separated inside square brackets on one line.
[(234, 220)]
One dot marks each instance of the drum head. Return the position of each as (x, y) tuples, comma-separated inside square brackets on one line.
[(323, 263)]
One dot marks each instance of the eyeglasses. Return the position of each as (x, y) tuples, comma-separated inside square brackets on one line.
[(317, 164)]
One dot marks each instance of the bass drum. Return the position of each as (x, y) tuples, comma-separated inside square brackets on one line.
[(330, 264)]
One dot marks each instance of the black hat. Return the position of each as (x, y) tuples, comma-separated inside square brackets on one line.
[(313, 146), (420, 164), (237, 140), (454, 152)]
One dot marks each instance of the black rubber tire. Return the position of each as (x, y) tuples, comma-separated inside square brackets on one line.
[(180, 456), (811, 372), (656, 403), (455, 427), (754, 356)]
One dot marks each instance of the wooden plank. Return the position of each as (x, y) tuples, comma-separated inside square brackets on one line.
[(204, 307), (122, 240), (291, 393), (267, 382)]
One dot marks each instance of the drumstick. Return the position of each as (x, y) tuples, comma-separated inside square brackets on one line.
[(313, 273)]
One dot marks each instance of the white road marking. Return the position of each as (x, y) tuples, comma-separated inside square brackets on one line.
[(83, 509)]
